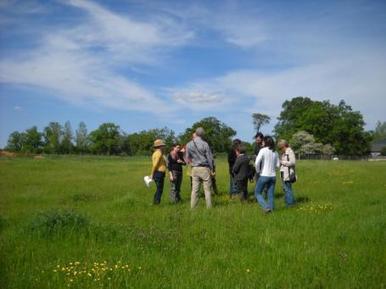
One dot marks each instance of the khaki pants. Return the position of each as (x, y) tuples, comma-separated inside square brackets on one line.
[(201, 174)]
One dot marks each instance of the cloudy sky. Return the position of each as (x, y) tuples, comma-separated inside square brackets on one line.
[(148, 64)]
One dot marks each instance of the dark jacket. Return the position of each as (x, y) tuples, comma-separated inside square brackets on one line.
[(174, 165), (241, 168), (231, 160)]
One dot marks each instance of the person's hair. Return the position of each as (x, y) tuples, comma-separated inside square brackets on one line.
[(259, 134), (200, 131), (174, 145), (241, 148), (269, 142), (283, 143), (236, 143)]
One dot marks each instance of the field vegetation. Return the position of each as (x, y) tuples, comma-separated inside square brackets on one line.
[(88, 222)]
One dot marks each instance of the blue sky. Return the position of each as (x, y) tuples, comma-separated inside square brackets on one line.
[(148, 64)]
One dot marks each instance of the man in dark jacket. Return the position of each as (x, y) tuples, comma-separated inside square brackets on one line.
[(241, 172), (231, 161)]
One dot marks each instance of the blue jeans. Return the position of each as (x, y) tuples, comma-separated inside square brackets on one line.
[(232, 186), (288, 193), (263, 182), (159, 178)]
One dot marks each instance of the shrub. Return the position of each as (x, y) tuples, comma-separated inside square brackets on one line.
[(55, 222)]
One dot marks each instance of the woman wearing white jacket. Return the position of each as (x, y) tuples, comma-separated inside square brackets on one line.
[(267, 161), (287, 171)]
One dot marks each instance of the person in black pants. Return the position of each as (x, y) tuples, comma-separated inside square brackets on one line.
[(231, 161), (175, 163), (240, 171)]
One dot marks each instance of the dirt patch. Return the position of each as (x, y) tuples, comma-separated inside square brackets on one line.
[(7, 154)]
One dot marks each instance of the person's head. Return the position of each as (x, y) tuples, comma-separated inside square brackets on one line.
[(259, 138), (159, 144), (282, 145), (241, 149), (175, 148), (235, 143), (200, 132), (269, 142)]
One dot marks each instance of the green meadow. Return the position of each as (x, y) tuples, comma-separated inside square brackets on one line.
[(88, 222)]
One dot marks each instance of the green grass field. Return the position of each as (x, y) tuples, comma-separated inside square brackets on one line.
[(88, 222)]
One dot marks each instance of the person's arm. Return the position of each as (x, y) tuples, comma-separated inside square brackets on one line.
[(188, 154), (258, 161), (236, 167), (277, 160), (156, 158), (290, 162), (170, 162), (209, 157), (181, 160)]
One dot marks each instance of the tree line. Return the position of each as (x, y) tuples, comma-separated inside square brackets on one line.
[(110, 139), (312, 127)]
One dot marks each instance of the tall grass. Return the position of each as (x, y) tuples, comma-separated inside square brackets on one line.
[(93, 216)]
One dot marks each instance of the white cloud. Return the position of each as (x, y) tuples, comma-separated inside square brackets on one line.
[(357, 80), (17, 108), (79, 64)]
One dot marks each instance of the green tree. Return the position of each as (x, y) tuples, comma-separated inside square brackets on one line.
[(81, 140), (259, 120), (33, 140), (53, 134), (16, 141), (142, 142), (380, 131), (337, 125), (105, 139), (217, 134), (66, 145)]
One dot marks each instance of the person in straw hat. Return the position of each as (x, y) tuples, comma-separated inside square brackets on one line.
[(158, 169)]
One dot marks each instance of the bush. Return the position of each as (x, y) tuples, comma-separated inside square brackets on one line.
[(56, 222), (383, 151)]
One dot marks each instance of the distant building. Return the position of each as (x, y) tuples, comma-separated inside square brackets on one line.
[(376, 147)]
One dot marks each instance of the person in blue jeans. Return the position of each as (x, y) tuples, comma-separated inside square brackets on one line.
[(287, 171), (267, 161)]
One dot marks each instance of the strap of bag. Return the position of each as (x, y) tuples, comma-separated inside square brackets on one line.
[(201, 153)]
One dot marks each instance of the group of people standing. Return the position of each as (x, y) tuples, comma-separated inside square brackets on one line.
[(197, 154)]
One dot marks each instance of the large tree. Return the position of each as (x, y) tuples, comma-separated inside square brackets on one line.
[(33, 140), (380, 131), (142, 142), (81, 140), (105, 139), (337, 125), (260, 119), (53, 134), (16, 141), (68, 136), (217, 134)]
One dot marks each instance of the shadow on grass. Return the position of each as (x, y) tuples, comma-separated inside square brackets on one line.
[(301, 200)]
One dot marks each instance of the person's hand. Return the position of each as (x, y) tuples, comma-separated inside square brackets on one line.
[(180, 162), (212, 173)]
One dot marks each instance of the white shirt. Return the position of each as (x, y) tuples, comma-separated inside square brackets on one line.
[(268, 161)]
